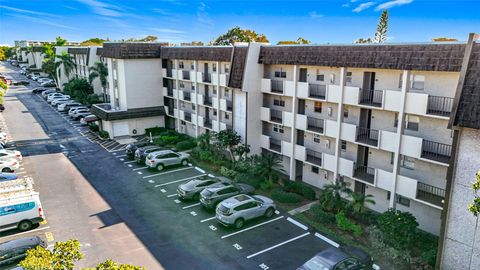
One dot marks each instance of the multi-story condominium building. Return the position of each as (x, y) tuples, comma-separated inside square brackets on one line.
[(27, 43), (374, 116)]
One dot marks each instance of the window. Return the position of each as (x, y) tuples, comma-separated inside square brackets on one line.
[(345, 111), (192, 66), (214, 112), (280, 74), (418, 82), (279, 102), (400, 81), (180, 65), (214, 67), (395, 122), (227, 68), (315, 170), (278, 128), (193, 87), (412, 122), (407, 162), (316, 138), (403, 201), (214, 91), (317, 107), (181, 85), (344, 145), (227, 116), (388, 195), (392, 157), (193, 106), (348, 77), (332, 78), (320, 77), (183, 123)]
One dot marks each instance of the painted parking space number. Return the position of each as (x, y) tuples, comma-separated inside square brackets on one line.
[(213, 228), (193, 213), (237, 246), (264, 266)]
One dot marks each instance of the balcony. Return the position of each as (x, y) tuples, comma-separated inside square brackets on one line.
[(430, 194), (207, 101), (275, 145), (276, 86), (276, 116), (364, 173), (168, 91), (207, 123), (187, 116), (105, 112), (435, 151), (185, 74), (314, 157), (367, 136), (371, 98), (187, 95), (315, 124), (229, 106), (317, 91), (207, 77), (440, 106)]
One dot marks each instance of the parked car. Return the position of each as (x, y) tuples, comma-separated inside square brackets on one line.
[(21, 82), (132, 147), (10, 154), (162, 159), (34, 77), (53, 96), (8, 165), (341, 258), (210, 197), (88, 119), (48, 84), (235, 211), (142, 152), (44, 79), (72, 110), (47, 92), (7, 176), (65, 107), (16, 250), (58, 101), (191, 189), (81, 113), (39, 90)]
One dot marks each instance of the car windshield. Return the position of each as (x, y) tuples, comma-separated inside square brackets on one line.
[(223, 209), (207, 192), (317, 263)]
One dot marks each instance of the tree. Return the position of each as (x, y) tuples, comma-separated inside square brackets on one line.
[(66, 61), (331, 197), (99, 70), (363, 40), (398, 228), (49, 66), (230, 141), (474, 207), (59, 41), (93, 42), (79, 89), (299, 40), (381, 34), (6, 52), (193, 43), (444, 39), (145, 39), (268, 166), (239, 35), (359, 201), (111, 265)]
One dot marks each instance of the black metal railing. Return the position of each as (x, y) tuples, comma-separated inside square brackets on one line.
[(314, 157), (367, 136), (207, 101), (169, 72), (436, 151), (207, 123), (170, 92), (371, 97), (207, 77), (364, 173), (441, 106), (187, 96), (317, 91), (431, 194), (186, 74), (275, 145), (276, 116), (277, 86), (188, 116), (229, 106), (315, 124)]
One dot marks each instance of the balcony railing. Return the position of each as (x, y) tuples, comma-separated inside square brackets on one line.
[(436, 151), (276, 116), (169, 72), (229, 106), (317, 91), (314, 157), (207, 101), (207, 77), (364, 173), (186, 74), (170, 92), (188, 117), (367, 136), (441, 106), (277, 86), (430, 194), (371, 97), (275, 145), (187, 96), (207, 123), (315, 124)]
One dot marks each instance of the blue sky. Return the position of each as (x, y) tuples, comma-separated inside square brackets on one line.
[(331, 21)]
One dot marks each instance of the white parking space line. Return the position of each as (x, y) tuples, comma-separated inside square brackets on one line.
[(200, 170), (130, 165), (207, 219), (191, 205), (17, 234), (331, 242), (120, 156), (128, 162), (297, 223), (113, 151), (141, 168), (180, 180), (157, 174), (249, 228), (121, 147), (172, 195), (277, 245)]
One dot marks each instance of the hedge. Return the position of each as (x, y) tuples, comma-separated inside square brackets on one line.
[(286, 197), (248, 179), (94, 127), (155, 131), (186, 145), (103, 134), (321, 216), (300, 189)]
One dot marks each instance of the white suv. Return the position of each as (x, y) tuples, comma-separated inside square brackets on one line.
[(161, 159)]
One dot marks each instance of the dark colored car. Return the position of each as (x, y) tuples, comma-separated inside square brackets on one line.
[(132, 147), (21, 82), (16, 250), (142, 152), (211, 196), (39, 90), (344, 257)]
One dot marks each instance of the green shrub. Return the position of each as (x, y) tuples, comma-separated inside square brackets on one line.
[(301, 189), (286, 197), (186, 145), (266, 185), (321, 216), (94, 127), (103, 134), (398, 228), (345, 224), (228, 172), (155, 131), (248, 179), (170, 139), (367, 217), (158, 141), (377, 241)]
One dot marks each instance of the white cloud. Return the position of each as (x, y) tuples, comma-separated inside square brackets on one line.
[(25, 11), (394, 3), (102, 8), (43, 21), (202, 15), (346, 5), (315, 15), (167, 30), (363, 6)]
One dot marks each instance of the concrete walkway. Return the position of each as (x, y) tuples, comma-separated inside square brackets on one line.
[(302, 208)]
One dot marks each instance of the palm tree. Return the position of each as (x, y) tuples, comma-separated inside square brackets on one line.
[(66, 61), (359, 201), (331, 197), (101, 71), (268, 166)]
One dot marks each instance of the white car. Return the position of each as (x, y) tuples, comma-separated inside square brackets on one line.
[(66, 106), (58, 101), (10, 154), (78, 114), (9, 165), (41, 80), (74, 109), (34, 77), (88, 119), (51, 97), (48, 92)]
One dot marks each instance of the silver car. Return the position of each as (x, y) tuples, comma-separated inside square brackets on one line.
[(191, 190), (164, 158), (210, 197), (237, 210)]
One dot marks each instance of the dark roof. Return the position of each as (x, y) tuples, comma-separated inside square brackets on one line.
[(131, 50), (207, 53), (432, 57), (99, 51), (38, 49), (79, 50), (237, 67), (104, 112)]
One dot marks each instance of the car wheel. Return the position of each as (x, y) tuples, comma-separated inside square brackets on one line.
[(25, 225), (160, 167), (269, 212), (7, 170), (239, 223), (184, 162)]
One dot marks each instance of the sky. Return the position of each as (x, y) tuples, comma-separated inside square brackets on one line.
[(176, 21)]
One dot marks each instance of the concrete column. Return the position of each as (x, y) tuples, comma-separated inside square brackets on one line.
[(294, 131), (338, 140), (219, 68), (401, 119), (195, 83), (175, 65)]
